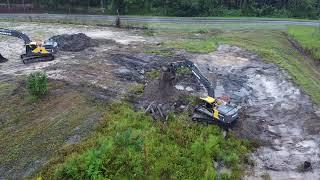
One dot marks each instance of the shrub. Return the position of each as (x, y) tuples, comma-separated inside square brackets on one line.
[(37, 84), (184, 71), (132, 146)]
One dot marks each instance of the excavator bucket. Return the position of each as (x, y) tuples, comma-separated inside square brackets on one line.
[(2, 59)]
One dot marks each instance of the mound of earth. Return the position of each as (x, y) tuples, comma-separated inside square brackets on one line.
[(2, 59), (73, 42)]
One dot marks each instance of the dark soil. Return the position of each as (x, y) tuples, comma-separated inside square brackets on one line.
[(73, 42), (2, 59)]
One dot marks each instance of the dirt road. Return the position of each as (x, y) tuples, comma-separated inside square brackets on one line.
[(148, 19)]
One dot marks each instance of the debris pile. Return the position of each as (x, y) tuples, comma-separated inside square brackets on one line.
[(2, 59), (164, 97), (73, 42)]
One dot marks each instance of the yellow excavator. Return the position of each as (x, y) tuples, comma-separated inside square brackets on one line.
[(35, 51), (211, 109)]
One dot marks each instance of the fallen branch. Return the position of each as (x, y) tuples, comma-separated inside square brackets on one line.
[(148, 108)]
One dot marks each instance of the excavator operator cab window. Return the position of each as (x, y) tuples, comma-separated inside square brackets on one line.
[(30, 47), (208, 105)]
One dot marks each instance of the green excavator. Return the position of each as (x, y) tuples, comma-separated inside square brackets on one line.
[(211, 109), (35, 51)]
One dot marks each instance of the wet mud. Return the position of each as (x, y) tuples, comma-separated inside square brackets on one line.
[(275, 112)]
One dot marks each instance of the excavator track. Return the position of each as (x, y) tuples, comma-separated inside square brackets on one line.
[(36, 58), (202, 115)]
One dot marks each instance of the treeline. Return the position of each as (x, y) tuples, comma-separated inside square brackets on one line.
[(259, 8)]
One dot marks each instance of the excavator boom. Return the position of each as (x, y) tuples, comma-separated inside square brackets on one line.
[(17, 34)]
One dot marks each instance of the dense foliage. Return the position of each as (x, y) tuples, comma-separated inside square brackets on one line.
[(132, 146), (37, 84), (277, 8)]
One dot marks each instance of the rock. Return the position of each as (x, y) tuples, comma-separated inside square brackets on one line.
[(179, 87), (307, 165), (189, 89), (73, 139), (128, 74)]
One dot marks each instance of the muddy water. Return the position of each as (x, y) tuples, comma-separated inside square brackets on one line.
[(276, 113)]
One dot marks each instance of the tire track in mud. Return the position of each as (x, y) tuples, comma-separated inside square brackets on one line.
[(276, 113)]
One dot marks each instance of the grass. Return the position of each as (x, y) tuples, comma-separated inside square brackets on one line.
[(130, 145), (183, 71), (137, 89), (153, 74), (195, 46), (162, 52), (308, 38), (32, 132), (273, 46)]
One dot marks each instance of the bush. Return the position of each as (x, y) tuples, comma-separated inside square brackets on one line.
[(132, 146), (37, 84)]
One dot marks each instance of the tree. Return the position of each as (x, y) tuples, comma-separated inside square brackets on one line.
[(8, 4), (102, 6)]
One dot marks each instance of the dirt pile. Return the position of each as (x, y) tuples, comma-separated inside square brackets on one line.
[(2, 59), (73, 42)]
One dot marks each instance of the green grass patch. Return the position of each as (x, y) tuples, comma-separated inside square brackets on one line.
[(153, 74), (308, 38), (136, 89), (184, 71), (195, 45), (131, 146), (162, 52)]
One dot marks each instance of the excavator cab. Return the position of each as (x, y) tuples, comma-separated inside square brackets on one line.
[(30, 47), (221, 110)]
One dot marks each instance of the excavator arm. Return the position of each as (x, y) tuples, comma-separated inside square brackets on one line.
[(17, 34), (195, 70)]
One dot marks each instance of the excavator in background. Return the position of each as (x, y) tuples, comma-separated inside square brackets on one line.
[(211, 109), (35, 51)]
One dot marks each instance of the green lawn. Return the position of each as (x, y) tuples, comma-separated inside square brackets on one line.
[(273, 46), (130, 145), (308, 38)]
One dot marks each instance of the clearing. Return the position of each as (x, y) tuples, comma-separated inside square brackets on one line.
[(276, 87)]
